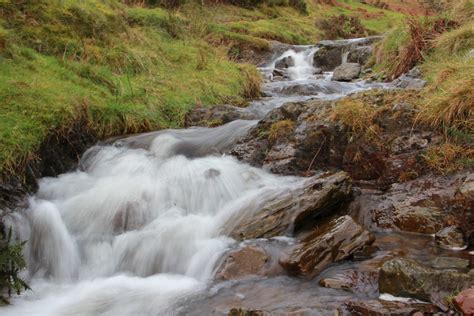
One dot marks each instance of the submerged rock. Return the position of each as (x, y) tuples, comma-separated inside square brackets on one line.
[(388, 308), (450, 263), (278, 215), (331, 243), (249, 260), (285, 62), (347, 72), (450, 238), (406, 278), (216, 115), (365, 282)]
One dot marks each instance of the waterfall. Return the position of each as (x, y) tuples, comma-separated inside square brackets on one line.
[(303, 62)]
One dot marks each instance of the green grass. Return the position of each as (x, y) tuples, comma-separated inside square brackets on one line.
[(125, 74)]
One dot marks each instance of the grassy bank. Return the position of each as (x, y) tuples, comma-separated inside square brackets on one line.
[(124, 69)]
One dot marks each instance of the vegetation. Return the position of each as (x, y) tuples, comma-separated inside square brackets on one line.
[(342, 26), (124, 69), (440, 45), (11, 263)]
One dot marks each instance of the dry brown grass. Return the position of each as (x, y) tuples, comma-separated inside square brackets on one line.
[(252, 81), (357, 116), (280, 129), (421, 39), (449, 157)]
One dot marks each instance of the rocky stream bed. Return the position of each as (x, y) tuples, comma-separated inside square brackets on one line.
[(272, 209)]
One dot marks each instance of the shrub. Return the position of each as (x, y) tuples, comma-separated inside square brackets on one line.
[(407, 47), (11, 263), (299, 5), (342, 26)]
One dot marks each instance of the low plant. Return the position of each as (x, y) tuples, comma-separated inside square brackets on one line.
[(342, 26), (11, 264), (280, 129)]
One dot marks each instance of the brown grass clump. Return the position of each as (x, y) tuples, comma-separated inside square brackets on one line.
[(356, 115), (420, 41), (449, 157), (280, 129), (252, 81), (455, 108)]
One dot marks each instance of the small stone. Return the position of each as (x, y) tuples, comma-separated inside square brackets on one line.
[(450, 238), (450, 263)]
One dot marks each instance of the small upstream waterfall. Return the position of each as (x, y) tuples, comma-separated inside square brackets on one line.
[(303, 62), (142, 222)]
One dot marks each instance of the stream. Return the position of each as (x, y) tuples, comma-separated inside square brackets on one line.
[(140, 226)]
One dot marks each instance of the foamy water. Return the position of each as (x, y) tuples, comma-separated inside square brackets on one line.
[(143, 221)]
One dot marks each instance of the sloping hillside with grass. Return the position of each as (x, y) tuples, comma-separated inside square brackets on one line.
[(134, 66), (442, 47)]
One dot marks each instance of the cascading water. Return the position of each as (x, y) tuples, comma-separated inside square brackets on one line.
[(303, 62), (141, 223)]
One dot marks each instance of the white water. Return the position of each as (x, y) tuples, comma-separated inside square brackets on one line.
[(143, 222), (303, 63)]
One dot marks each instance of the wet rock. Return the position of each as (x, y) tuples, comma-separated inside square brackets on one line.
[(275, 215), (331, 243), (317, 141), (285, 62), (347, 72), (249, 260), (406, 278), (425, 205), (465, 301), (450, 238), (410, 80), (450, 263), (366, 253), (317, 71), (216, 115), (245, 312), (327, 58), (329, 54), (388, 308), (360, 55), (279, 73), (365, 282)]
